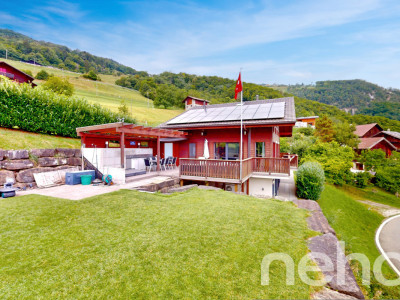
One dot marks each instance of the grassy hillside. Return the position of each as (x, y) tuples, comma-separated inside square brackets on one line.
[(16, 139), (355, 224), (107, 94)]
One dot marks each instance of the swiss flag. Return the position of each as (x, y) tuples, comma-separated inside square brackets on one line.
[(238, 87)]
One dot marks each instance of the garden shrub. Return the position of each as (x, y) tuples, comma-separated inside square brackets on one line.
[(310, 179), (362, 179), (42, 75), (43, 111), (334, 158)]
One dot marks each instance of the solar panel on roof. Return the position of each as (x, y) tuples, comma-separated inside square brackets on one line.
[(232, 113)]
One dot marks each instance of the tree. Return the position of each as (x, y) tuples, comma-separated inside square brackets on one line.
[(123, 108), (335, 159), (42, 75), (324, 129), (91, 75), (373, 159), (59, 86), (344, 134)]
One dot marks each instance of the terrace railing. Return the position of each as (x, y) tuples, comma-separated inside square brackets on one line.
[(230, 169)]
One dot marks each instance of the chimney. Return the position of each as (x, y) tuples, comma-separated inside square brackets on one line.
[(257, 97)]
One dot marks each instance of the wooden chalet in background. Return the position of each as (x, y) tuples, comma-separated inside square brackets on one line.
[(372, 136), (15, 74)]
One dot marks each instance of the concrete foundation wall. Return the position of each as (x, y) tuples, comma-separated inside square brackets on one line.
[(261, 187)]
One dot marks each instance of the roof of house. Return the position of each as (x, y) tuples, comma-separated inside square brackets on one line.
[(194, 98), (361, 130), (8, 65), (394, 134), (258, 112), (368, 143)]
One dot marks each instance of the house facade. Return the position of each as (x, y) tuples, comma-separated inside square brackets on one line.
[(15, 74), (193, 101), (392, 136), (210, 153)]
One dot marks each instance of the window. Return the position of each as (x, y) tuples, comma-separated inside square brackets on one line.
[(260, 149), (227, 151), (192, 150)]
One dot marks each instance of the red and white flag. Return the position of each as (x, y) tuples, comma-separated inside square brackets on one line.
[(239, 86)]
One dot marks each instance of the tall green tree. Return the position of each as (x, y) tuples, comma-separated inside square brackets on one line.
[(324, 129), (344, 134)]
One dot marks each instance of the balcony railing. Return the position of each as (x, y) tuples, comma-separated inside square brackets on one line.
[(230, 169)]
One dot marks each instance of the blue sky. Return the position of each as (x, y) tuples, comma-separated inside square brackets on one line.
[(275, 41)]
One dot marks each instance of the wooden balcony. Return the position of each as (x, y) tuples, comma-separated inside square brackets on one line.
[(229, 170)]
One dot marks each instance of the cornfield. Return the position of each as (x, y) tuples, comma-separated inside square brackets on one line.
[(42, 111)]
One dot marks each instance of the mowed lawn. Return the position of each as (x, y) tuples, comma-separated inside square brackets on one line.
[(17, 139), (127, 244), (356, 225)]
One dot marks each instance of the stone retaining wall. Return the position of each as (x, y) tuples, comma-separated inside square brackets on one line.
[(20, 165)]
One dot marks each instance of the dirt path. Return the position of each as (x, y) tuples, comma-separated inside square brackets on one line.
[(383, 209)]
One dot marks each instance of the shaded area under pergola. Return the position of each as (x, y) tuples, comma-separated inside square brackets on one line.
[(120, 131)]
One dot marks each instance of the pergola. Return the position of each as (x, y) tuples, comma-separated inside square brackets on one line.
[(120, 131)]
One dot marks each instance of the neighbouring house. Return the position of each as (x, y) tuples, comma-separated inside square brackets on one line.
[(206, 141), (302, 122), (193, 101), (374, 143), (368, 130), (392, 136), (370, 139), (15, 74)]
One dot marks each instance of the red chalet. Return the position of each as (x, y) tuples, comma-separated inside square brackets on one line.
[(205, 139), (15, 74), (211, 151), (371, 138)]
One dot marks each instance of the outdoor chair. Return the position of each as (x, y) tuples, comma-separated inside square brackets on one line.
[(169, 162), (162, 163), (173, 163), (149, 164)]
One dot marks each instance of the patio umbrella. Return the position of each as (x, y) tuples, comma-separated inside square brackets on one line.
[(206, 153)]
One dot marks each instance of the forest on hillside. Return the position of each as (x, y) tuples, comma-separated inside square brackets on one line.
[(365, 97), (23, 48)]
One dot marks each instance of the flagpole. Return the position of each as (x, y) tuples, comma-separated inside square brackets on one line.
[(241, 133)]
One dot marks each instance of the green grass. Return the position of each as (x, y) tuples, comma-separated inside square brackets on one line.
[(107, 94), (127, 244), (356, 226), (374, 194), (16, 139)]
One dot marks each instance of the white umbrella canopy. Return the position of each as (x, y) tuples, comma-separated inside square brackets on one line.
[(206, 153)]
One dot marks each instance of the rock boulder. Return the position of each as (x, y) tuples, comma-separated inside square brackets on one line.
[(43, 152), (16, 165), (16, 154), (26, 176)]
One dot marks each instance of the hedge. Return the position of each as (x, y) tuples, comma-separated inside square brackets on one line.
[(42, 111), (310, 179)]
